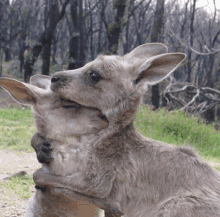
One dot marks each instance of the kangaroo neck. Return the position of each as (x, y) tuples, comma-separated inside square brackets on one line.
[(111, 147)]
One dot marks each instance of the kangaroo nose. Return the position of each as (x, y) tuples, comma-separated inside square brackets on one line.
[(54, 79)]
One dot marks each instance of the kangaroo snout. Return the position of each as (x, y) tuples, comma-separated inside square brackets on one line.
[(55, 79), (58, 80)]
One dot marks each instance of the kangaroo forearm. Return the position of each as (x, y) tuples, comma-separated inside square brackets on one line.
[(35, 140), (93, 187), (42, 148), (110, 207)]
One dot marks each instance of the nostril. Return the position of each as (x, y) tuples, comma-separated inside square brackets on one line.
[(54, 79)]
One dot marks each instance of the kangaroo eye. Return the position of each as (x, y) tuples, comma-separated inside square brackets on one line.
[(95, 77)]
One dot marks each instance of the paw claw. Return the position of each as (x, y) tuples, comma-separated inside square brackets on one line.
[(43, 158), (42, 188)]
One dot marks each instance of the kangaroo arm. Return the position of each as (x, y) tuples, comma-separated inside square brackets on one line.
[(111, 207), (97, 186), (42, 148)]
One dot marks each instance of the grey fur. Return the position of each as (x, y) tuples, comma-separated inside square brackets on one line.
[(146, 177)]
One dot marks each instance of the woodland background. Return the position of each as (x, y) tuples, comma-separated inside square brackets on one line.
[(43, 36)]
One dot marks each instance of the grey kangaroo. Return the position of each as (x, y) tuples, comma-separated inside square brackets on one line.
[(147, 177), (67, 126)]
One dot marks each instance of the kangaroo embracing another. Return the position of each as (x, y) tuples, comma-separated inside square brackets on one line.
[(68, 127), (146, 177)]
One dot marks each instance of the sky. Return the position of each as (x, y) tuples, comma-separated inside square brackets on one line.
[(208, 4)]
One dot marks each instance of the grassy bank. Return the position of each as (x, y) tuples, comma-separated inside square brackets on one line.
[(179, 129), (21, 186), (16, 129)]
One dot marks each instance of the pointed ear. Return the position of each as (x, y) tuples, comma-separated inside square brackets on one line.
[(21, 92), (145, 51), (157, 68), (41, 81)]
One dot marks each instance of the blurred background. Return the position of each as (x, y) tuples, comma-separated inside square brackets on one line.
[(44, 36)]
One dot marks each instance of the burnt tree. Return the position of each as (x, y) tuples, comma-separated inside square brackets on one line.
[(44, 40), (115, 28), (156, 36)]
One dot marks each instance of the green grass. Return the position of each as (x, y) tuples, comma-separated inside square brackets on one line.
[(177, 128), (16, 129), (21, 186), (217, 168)]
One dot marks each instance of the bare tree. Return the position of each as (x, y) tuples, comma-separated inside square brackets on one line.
[(192, 18), (45, 39), (115, 28), (75, 36), (157, 36)]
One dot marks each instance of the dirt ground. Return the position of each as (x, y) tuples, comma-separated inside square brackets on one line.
[(12, 162)]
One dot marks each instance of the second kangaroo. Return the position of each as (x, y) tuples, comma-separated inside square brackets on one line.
[(68, 127)]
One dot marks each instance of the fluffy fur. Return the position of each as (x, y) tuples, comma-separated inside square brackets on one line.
[(146, 177)]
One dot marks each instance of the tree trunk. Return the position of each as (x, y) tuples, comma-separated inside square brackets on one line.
[(21, 59), (31, 57), (1, 56), (81, 32), (73, 52), (46, 52), (22, 49), (74, 40), (99, 37), (28, 70), (209, 75), (115, 28), (7, 54), (45, 38), (189, 66), (91, 37), (54, 51), (51, 20), (157, 36)]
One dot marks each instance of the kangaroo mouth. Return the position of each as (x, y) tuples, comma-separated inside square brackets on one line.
[(66, 103)]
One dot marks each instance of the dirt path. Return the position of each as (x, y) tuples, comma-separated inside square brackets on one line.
[(10, 163)]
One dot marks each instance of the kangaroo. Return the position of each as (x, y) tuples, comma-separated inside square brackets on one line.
[(146, 177), (67, 126)]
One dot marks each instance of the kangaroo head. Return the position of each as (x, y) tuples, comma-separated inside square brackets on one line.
[(111, 82), (54, 116)]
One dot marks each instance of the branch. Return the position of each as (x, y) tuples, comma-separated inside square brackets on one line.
[(193, 100), (133, 9), (211, 90), (211, 97), (103, 16), (215, 38), (192, 49), (91, 9), (63, 9)]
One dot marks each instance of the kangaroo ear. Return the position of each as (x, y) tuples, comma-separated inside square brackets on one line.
[(41, 81), (157, 68), (21, 92), (144, 52)]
